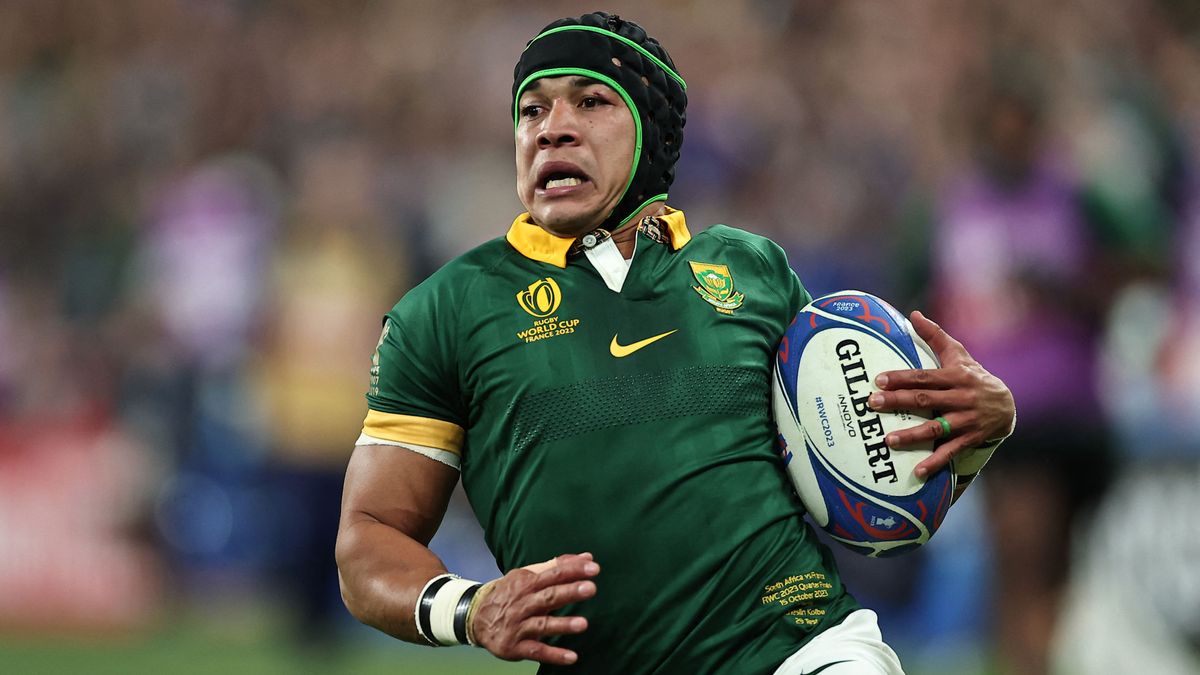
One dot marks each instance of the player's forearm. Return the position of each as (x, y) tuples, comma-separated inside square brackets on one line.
[(382, 572)]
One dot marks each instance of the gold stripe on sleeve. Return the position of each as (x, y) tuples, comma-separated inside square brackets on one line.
[(424, 431)]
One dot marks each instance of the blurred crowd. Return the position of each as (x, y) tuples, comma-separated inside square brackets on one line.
[(207, 205)]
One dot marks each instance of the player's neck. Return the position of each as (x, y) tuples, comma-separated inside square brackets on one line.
[(626, 237)]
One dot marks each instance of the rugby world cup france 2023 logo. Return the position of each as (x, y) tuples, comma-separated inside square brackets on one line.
[(541, 298), (541, 301)]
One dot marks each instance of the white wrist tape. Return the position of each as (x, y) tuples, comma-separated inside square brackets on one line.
[(441, 611), (970, 461)]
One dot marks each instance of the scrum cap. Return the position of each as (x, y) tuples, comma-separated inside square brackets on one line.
[(620, 54)]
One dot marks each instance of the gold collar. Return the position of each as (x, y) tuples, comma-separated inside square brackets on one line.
[(535, 243)]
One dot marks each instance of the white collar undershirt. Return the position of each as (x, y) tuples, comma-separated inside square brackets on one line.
[(608, 261)]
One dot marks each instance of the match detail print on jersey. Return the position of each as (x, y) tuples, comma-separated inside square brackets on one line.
[(621, 351)]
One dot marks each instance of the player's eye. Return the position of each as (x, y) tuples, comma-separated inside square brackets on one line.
[(531, 110), (592, 101)]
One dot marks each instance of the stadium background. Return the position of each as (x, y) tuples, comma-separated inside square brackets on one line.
[(206, 205)]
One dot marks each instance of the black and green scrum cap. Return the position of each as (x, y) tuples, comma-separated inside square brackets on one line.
[(618, 53)]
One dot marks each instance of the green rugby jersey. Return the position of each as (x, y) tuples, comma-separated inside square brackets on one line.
[(635, 425)]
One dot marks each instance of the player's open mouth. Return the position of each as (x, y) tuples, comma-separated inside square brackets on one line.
[(557, 178), (565, 181)]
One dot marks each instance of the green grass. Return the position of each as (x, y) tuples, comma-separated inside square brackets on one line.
[(232, 646), (252, 640), (186, 656)]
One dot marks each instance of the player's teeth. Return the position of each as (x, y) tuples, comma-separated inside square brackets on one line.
[(561, 182)]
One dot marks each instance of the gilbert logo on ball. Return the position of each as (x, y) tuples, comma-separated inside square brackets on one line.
[(856, 488)]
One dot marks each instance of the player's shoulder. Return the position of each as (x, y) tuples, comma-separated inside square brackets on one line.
[(726, 236), (452, 282), (479, 260)]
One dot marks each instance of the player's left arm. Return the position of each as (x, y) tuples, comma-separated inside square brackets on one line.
[(978, 407)]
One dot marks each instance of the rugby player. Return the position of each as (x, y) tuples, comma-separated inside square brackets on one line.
[(599, 378)]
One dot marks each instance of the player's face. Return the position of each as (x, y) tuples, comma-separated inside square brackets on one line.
[(575, 143)]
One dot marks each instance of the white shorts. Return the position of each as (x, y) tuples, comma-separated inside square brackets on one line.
[(853, 647)]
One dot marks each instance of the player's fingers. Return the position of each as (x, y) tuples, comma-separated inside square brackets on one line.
[(541, 652), (550, 564), (566, 568), (911, 436), (940, 457), (965, 374), (536, 627), (918, 399), (917, 378), (930, 430), (948, 349), (512, 613), (553, 597)]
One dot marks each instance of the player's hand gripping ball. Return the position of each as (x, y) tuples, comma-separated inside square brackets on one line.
[(864, 494)]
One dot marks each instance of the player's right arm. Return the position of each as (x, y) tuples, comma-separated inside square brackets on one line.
[(398, 484), (393, 502)]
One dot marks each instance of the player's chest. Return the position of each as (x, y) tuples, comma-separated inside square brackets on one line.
[(561, 327)]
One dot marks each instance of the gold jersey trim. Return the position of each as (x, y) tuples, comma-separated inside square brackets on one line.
[(535, 243), (450, 459), (423, 431), (676, 228)]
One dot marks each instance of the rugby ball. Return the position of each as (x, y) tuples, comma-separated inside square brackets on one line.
[(862, 493)]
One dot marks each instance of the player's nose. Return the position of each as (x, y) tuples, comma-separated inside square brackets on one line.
[(560, 127)]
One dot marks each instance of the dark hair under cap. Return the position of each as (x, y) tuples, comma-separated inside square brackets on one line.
[(617, 52)]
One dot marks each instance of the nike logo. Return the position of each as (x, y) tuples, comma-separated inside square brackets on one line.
[(620, 351), (827, 665)]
